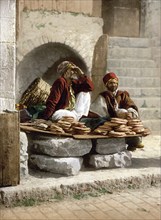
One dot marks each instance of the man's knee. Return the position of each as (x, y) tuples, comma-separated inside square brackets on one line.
[(62, 112)]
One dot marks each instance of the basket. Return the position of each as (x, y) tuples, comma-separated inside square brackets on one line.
[(37, 93)]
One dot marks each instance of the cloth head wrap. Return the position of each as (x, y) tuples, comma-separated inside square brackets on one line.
[(64, 66), (109, 76)]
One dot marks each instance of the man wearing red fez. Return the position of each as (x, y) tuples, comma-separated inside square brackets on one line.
[(115, 103)]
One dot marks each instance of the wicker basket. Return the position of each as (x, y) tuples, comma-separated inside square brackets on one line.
[(37, 93)]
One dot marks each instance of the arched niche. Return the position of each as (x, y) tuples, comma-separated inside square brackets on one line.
[(42, 62)]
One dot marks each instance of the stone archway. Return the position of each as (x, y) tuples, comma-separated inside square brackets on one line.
[(42, 62)]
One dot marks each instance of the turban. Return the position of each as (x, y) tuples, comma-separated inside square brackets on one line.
[(64, 66), (109, 76)]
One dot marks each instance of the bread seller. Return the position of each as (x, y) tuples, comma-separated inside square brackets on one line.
[(116, 103), (70, 93)]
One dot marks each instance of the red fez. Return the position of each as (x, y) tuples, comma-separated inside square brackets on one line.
[(109, 76)]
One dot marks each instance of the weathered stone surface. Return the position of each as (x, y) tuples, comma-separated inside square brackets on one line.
[(8, 55), (122, 159), (121, 18), (110, 146), (66, 166), (61, 147), (69, 41), (23, 154)]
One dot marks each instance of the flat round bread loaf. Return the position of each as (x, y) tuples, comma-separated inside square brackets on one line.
[(121, 129), (55, 128), (78, 124), (82, 128), (130, 132), (116, 134), (98, 131), (119, 120), (68, 119), (111, 124), (135, 123), (60, 122), (138, 130)]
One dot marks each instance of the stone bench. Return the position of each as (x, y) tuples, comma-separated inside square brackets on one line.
[(67, 156)]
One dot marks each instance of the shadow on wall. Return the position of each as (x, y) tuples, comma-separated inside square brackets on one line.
[(42, 62)]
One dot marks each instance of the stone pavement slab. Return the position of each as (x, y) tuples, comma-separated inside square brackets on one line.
[(144, 172), (125, 205)]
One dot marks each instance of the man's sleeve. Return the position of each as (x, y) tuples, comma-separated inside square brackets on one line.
[(53, 99), (83, 84)]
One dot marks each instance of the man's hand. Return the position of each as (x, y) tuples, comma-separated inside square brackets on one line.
[(122, 115), (78, 71), (129, 115)]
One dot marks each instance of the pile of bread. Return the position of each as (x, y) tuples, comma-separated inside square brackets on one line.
[(118, 127), (66, 125)]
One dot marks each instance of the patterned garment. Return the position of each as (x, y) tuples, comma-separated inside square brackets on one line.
[(71, 100)]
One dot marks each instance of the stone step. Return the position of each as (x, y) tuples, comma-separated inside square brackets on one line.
[(142, 92), (130, 59), (154, 125), (139, 82), (137, 72), (129, 53), (156, 51), (147, 102), (115, 63), (129, 42), (149, 113), (157, 55)]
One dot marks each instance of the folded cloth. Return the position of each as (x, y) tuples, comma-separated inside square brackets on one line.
[(36, 110)]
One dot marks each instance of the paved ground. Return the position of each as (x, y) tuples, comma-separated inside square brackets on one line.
[(129, 204)]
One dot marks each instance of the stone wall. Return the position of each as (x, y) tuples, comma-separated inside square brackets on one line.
[(153, 27), (45, 37), (7, 54), (23, 155), (90, 7), (121, 18)]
